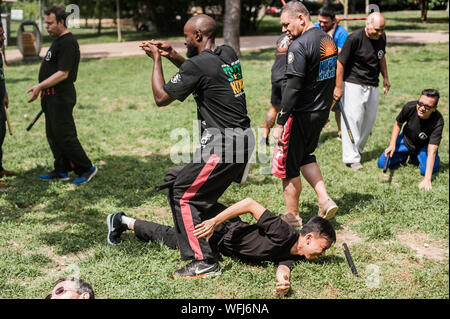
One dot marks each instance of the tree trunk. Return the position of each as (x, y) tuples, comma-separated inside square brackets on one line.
[(231, 26), (119, 31), (424, 10)]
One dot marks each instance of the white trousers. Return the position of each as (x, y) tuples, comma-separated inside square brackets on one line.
[(360, 103)]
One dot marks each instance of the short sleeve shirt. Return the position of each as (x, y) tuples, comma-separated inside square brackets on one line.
[(312, 56), (361, 58), (418, 133), (63, 55), (339, 36), (216, 81), (279, 65), (270, 239), (2, 84)]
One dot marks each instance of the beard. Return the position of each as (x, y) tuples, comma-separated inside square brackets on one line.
[(192, 50)]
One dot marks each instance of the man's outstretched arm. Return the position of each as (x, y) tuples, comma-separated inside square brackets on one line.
[(248, 205), (160, 95)]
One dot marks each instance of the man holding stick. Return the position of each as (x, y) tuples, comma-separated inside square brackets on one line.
[(359, 65), (57, 75), (3, 110), (213, 74), (419, 139)]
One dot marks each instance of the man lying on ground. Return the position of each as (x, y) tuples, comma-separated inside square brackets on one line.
[(269, 239)]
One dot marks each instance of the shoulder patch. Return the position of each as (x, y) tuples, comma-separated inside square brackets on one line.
[(290, 57), (176, 78)]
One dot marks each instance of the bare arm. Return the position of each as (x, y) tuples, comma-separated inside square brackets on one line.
[(51, 81), (339, 90), (395, 132), (384, 72), (248, 205), (159, 94), (431, 157), (283, 284)]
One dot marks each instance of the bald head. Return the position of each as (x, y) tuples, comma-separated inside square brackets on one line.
[(375, 24), (375, 19), (203, 23)]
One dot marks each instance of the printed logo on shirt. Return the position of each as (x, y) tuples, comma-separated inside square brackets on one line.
[(176, 78), (48, 56), (380, 54), (234, 73), (328, 57), (283, 45), (290, 58), (423, 136)]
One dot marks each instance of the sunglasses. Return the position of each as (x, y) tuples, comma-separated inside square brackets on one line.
[(58, 292), (427, 107)]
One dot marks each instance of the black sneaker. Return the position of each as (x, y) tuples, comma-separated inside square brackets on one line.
[(413, 160), (198, 269), (115, 228)]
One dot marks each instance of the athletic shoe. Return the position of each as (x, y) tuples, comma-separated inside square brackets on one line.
[(86, 176), (197, 269), (356, 166), (115, 228), (292, 220), (62, 176), (328, 210)]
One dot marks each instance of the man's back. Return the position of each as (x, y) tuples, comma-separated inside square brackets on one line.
[(313, 56)]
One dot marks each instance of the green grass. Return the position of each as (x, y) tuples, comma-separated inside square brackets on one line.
[(48, 230), (396, 21)]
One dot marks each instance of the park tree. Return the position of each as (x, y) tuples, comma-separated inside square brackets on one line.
[(231, 24), (424, 4)]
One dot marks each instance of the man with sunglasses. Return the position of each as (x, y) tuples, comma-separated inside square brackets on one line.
[(71, 288), (419, 139)]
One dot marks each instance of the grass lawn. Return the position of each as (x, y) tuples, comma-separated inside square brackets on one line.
[(396, 21), (49, 230)]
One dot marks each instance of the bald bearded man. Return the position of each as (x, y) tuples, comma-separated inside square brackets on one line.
[(213, 75)]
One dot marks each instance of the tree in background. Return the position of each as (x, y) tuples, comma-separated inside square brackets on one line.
[(231, 24)]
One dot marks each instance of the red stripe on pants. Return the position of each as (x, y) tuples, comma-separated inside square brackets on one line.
[(280, 153), (186, 209)]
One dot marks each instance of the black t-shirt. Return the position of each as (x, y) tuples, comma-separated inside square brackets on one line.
[(361, 58), (312, 56), (270, 239), (216, 81), (63, 55), (418, 133), (279, 65), (2, 84)]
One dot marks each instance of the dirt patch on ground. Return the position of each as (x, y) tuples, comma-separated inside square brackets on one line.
[(425, 246), (347, 236)]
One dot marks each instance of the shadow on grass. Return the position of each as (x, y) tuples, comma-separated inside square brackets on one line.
[(78, 211)]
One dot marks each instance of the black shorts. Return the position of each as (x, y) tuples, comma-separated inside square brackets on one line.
[(301, 137), (275, 98)]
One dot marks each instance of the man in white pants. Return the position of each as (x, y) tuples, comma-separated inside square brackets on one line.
[(359, 65)]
